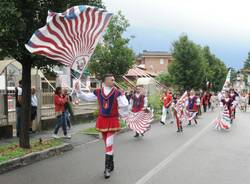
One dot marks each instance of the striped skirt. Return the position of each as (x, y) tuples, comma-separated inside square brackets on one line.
[(223, 122)]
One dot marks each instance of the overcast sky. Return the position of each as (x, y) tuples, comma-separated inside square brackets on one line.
[(223, 25)]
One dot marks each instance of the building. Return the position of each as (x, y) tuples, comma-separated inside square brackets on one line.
[(154, 61)]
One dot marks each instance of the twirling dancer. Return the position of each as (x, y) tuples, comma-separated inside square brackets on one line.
[(224, 120), (110, 100), (139, 118)]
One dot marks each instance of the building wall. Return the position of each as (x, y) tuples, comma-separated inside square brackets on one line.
[(156, 64)]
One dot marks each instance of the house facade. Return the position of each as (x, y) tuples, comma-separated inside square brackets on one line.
[(154, 61)]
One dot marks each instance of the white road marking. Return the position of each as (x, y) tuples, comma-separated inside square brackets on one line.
[(146, 178)]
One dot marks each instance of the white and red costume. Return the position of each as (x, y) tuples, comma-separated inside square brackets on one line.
[(112, 103), (224, 120)]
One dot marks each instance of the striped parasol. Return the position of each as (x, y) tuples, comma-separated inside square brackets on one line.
[(70, 37)]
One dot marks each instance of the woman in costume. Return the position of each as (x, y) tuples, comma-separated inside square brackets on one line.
[(225, 117), (139, 117), (112, 103)]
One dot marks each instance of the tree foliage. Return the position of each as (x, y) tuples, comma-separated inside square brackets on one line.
[(113, 55), (18, 21), (247, 62), (193, 66)]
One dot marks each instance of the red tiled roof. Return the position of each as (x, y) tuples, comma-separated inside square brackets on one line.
[(137, 72)]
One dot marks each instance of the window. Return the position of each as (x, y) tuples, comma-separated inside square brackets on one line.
[(161, 61)]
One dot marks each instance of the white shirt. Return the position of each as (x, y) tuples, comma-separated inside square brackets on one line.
[(19, 91), (122, 100), (33, 100)]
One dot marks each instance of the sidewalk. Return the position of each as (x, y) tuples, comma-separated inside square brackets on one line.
[(78, 137)]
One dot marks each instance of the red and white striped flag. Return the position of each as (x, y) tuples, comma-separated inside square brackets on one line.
[(70, 37), (181, 105)]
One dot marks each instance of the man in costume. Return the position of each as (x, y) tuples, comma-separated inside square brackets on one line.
[(192, 108), (234, 96), (112, 102), (139, 118), (166, 109)]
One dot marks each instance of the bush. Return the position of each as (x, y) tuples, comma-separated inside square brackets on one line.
[(155, 103)]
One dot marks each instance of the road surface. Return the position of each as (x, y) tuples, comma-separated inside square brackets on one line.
[(200, 155)]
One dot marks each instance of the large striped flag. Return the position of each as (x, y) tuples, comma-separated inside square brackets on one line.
[(181, 105), (227, 81), (70, 37)]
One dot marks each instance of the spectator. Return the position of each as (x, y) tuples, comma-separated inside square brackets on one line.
[(59, 101), (33, 108), (204, 101), (18, 96), (68, 107), (198, 102)]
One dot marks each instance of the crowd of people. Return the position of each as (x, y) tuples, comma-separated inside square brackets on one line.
[(192, 104)]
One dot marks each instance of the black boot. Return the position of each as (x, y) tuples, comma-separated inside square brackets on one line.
[(136, 135), (195, 121), (162, 122), (181, 128), (107, 165), (111, 166)]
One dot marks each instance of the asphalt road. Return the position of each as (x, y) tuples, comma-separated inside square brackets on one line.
[(201, 155)]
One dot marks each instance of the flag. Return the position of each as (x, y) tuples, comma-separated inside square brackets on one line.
[(70, 37), (181, 105), (227, 81)]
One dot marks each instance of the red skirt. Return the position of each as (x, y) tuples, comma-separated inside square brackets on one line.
[(107, 124)]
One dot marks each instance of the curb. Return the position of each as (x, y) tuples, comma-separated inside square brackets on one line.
[(34, 157)]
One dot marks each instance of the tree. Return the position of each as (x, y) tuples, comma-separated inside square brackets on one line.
[(113, 55), (18, 21), (247, 62), (193, 66), (187, 69), (216, 70)]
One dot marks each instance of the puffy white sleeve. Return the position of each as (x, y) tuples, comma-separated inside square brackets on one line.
[(86, 96), (123, 105)]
